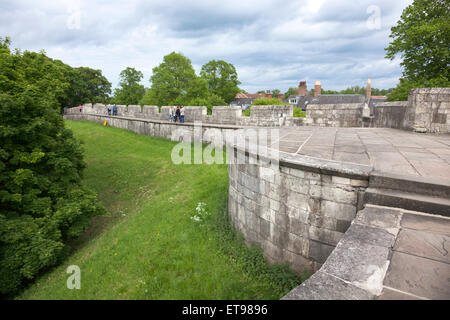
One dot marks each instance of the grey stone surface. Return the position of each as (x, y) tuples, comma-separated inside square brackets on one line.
[(372, 235), (319, 251), (323, 286), (381, 217), (427, 223), (360, 263), (419, 276), (389, 294), (429, 245)]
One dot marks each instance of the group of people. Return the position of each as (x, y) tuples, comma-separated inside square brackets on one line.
[(113, 108), (176, 114)]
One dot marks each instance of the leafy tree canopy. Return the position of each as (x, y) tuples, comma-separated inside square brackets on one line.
[(42, 200), (130, 91), (222, 79), (174, 82), (421, 38), (64, 85)]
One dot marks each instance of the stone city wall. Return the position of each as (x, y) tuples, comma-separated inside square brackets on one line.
[(266, 116), (390, 115), (155, 128), (430, 110), (334, 115), (427, 110), (297, 212)]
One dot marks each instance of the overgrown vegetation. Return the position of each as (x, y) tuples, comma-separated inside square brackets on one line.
[(42, 200), (299, 113), (62, 85)]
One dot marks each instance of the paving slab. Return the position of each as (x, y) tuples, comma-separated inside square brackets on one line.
[(419, 276), (429, 245), (389, 294), (387, 150), (434, 224)]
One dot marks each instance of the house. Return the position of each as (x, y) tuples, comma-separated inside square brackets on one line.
[(303, 98)]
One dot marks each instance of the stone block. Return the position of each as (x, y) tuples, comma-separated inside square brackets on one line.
[(326, 236), (264, 229), (429, 245), (419, 276), (323, 286), (319, 251), (360, 263)]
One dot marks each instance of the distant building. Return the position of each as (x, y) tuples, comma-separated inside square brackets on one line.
[(303, 98)]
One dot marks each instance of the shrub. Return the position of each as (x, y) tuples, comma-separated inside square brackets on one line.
[(263, 102), (299, 113), (267, 102), (42, 200)]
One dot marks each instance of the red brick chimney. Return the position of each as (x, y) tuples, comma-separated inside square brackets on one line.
[(317, 88), (280, 96), (268, 94), (369, 89), (302, 91)]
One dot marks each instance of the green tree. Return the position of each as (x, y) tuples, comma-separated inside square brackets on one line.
[(275, 93), (89, 86), (290, 92), (421, 37), (222, 79), (42, 200), (267, 102), (130, 91), (171, 79)]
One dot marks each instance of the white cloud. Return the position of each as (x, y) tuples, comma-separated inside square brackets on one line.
[(273, 44)]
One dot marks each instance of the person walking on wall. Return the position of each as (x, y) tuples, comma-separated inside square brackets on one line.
[(178, 114), (109, 110), (181, 114), (114, 110), (80, 107), (172, 114)]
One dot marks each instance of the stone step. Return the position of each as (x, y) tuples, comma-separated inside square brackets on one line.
[(411, 184), (407, 200)]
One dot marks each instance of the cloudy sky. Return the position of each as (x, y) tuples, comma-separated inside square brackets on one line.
[(272, 44)]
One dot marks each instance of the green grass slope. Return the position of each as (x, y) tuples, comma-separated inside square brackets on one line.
[(149, 247)]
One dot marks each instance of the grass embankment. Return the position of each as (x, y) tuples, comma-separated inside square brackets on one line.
[(150, 247)]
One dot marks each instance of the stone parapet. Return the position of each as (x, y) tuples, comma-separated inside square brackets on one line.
[(334, 115)]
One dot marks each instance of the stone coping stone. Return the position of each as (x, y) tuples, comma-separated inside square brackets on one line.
[(358, 265), (417, 184), (188, 124), (392, 104), (323, 286), (323, 166)]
